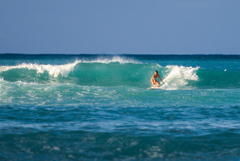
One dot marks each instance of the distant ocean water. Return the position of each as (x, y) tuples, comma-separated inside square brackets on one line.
[(86, 107)]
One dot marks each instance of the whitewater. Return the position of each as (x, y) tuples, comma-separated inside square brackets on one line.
[(86, 107)]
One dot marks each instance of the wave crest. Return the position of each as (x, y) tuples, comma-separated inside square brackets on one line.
[(115, 59), (177, 76), (54, 70), (64, 69)]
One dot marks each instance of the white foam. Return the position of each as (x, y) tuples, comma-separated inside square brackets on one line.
[(115, 59), (178, 75), (54, 70)]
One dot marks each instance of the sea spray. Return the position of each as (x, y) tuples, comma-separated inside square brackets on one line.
[(176, 77)]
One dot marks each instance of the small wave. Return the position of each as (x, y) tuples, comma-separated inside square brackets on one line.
[(54, 70), (64, 70)]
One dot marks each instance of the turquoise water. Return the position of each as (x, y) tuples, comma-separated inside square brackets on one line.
[(86, 107)]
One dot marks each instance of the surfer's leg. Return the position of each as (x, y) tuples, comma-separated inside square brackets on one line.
[(158, 84), (153, 82)]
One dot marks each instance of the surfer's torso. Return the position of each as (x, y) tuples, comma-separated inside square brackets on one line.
[(154, 77)]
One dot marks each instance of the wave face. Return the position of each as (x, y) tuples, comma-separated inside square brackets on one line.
[(122, 71)]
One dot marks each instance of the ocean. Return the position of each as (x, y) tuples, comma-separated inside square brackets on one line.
[(98, 107)]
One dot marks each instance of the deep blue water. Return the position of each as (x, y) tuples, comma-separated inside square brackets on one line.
[(86, 107)]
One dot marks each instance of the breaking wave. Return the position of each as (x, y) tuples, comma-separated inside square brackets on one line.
[(118, 71)]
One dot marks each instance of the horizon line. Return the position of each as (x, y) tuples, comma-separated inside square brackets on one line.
[(118, 54)]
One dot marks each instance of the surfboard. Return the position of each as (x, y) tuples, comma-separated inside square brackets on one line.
[(155, 88)]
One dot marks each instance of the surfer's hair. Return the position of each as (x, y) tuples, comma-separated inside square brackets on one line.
[(156, 71)]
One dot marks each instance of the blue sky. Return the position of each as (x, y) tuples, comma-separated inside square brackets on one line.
[(120, 26)]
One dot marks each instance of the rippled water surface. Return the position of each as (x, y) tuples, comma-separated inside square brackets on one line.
[(86, 107)]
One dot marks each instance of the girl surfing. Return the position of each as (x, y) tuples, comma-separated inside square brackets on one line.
[(154, 79)]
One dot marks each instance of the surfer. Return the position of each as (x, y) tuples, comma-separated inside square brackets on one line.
[(154, 79)]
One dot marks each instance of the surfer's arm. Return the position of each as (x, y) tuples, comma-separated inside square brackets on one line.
[(160, 78)]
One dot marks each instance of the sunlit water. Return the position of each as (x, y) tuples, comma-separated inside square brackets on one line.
[(85, 107)]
